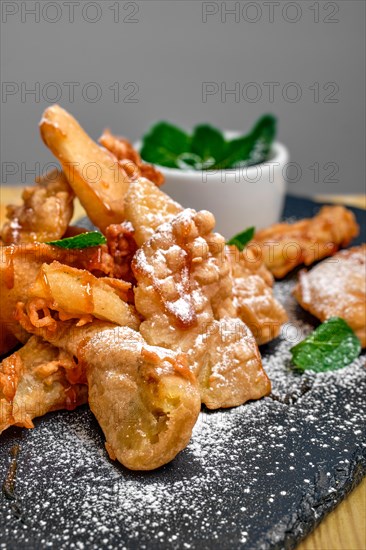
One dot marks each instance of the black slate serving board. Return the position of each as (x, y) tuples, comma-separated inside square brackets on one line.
[(260, 476)]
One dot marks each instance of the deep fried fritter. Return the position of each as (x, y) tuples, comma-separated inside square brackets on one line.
[(94, 174), (285, 246), (337, 288), (45, 213), (184, 293), (37, 379), (145, 398), (253, 295), (147, 207), (130, 158), (77, 294), (19, 266)]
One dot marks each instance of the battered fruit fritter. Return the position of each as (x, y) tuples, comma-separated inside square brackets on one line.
[(45, 214), (337, 288), (147, 208), (145, 398), (184, 292), (253, 296), (19, 267), (285, 246), (37, 379)]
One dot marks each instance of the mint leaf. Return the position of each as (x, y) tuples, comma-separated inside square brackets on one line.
[(164, 144), (331, 346), (251, 149), (207, 148), (242, 239), (84, 240), (209, 144)]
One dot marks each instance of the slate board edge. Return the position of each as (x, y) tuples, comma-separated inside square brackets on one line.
[(303, 522)]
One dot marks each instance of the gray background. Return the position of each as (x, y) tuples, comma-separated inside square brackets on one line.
[(168, 53)]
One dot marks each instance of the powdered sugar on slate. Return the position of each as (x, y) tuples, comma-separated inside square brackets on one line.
[(254, 476)]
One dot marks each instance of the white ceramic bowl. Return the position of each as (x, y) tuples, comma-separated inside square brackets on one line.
[(238, 198)]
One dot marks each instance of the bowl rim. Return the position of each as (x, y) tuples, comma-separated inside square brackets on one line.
[(279, 157)]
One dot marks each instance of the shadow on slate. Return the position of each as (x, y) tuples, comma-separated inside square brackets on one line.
[(260, 476)]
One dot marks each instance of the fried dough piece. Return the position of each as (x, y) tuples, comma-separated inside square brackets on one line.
[(94, 173), (130, 159), (37, 379), (45, 213), (146, 400), (147, 207), (184, 293), (285, 246), (253, 295), (76, 293), (337, 288), (19, 266)]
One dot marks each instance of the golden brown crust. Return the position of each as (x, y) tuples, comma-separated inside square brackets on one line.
[(94, 173), (145, 398), (130, 158), (184, 292), (45, 213), (37, 379), (147, 207), (19, 266), (253, 295), (146, 402), (285, 246), (337, 288)]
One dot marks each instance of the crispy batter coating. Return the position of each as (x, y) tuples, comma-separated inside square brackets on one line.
[(253, 295), (145, 398), (77, 294), (37, 379), (45, 213), (130, 158), (184, 292), (337, 287), (285, 246), (94, 174), (19, 266), (147, 207)]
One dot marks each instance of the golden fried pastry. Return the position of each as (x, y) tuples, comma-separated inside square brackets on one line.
[(130, 158), (184, 293), (145, 398), (147, 207), (19, 266), (45, 214), (253, 295), (77, 294), (37, 379), (337, 288), (94, 173), (285, 246)]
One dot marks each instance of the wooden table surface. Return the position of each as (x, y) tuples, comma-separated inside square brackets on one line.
[(345, 527)]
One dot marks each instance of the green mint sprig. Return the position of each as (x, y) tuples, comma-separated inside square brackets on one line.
[(84, 240), (331, 346), (242, 239), (207, 148)]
